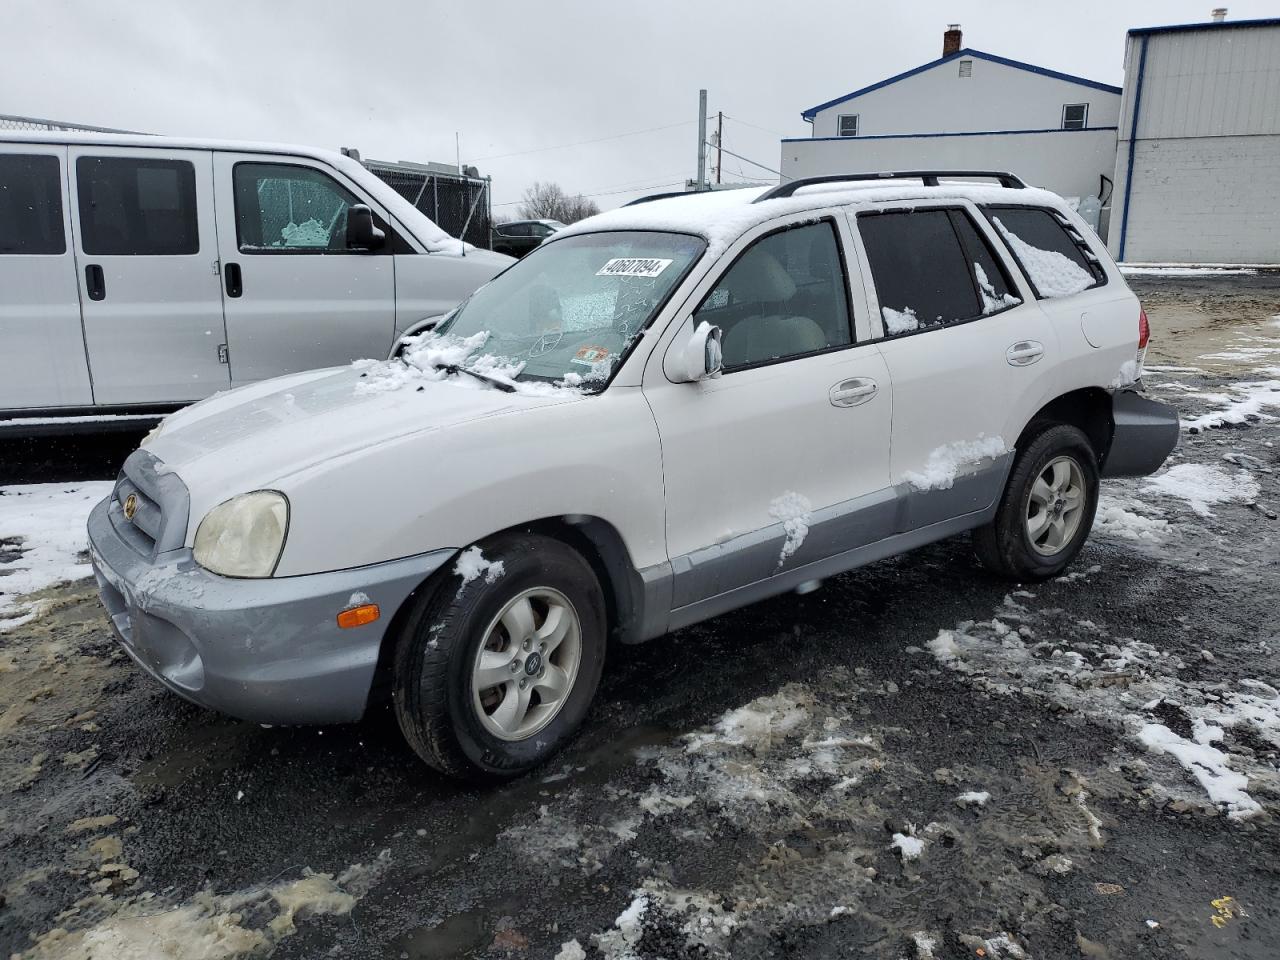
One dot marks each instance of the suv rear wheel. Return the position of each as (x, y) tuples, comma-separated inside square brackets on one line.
[(1047, 509), (493, 675)]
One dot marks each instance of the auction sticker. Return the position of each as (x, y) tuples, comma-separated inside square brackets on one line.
[(633, 267)]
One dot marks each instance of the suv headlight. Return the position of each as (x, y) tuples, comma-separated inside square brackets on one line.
[(244, 536)]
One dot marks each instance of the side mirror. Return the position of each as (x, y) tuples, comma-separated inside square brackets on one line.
[(362, 234), (701, 357)]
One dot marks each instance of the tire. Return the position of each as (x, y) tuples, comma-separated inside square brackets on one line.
[(441, 649), (1027, 540)]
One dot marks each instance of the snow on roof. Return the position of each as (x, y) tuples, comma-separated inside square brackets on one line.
[(721, 216), (421, 226), (966, 52)]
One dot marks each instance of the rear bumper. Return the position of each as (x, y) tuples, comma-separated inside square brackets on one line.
[(1145, 434), (264, 650)]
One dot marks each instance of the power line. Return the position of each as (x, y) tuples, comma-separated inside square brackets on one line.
[(755, 125), (579, 143), (754, 163)]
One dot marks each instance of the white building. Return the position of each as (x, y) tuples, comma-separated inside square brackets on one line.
[(1198, 166), (971, 110)]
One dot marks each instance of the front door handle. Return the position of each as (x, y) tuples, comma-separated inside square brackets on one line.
[(850, 393), (1024, 353), (95, 282), (235, 284)]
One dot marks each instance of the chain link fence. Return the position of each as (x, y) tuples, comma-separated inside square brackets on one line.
[(459, 205), (12, 122)]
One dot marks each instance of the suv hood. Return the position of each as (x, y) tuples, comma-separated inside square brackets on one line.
[(251, 437)]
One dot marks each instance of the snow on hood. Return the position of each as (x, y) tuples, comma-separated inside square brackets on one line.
[(251, 437)]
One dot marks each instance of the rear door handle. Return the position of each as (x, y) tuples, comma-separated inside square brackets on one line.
[(235, 284), (95, 282), (1024, 353), (850, 393)]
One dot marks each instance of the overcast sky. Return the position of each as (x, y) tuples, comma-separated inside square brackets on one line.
[(521, 83)]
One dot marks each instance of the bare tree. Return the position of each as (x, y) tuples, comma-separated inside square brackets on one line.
[(548, 201)]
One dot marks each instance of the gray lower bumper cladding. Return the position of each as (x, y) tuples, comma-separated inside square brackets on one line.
[(264, 650), (1145, 434)]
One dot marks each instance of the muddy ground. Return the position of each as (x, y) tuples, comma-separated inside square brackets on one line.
[(915, 761)]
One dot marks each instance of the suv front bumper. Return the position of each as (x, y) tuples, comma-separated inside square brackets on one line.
[(266, 650)]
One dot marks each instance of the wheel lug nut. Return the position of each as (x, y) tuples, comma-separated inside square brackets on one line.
[(523, 684), (528, 644), (515, 666)]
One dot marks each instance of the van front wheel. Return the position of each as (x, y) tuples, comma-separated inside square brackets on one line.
[(495, 673), (1047, 508)]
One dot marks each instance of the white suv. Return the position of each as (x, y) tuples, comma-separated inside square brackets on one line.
[(661, 414)]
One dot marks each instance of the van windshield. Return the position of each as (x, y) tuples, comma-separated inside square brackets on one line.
[(569, 312)]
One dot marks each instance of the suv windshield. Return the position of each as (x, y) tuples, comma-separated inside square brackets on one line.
[(569, 311)]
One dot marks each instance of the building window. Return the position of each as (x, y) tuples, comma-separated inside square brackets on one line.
[(1075, 116), (966, 68), (849, 125)]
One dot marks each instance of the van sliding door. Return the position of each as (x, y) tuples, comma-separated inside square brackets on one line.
[(146, 256), (40, 336)]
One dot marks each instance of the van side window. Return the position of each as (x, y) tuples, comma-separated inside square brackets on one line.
[(283, 208), (137, 206), (922, 275), (784, 297), (1052, 253), (30, 205)]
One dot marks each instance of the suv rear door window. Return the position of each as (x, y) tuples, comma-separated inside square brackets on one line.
[(1052, 253), (922, 275), (137, 206), (784, 297), (31, 205), (994, 289)]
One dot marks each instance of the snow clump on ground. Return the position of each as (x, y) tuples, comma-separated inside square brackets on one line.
[(1202, 485)]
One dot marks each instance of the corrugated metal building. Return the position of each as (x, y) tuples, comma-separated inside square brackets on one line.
[(1198, 165)]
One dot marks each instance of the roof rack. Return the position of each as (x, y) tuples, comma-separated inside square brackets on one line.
[(927, 177), (664, 196)]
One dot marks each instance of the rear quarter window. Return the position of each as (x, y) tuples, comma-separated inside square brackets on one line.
[(1054, 255), (31, 205)]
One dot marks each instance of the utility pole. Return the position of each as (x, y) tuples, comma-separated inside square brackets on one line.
[(702, 141), (719, 142)]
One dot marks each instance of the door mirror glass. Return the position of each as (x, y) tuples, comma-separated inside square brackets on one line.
[(362, 232), (701, 358)]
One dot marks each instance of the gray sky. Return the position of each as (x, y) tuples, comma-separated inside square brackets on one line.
[(397, 78)]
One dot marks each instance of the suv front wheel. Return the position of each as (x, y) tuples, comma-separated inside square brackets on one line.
[(1047, 509), (495, 673)]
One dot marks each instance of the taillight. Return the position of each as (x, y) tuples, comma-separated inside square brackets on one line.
[(1144, 329)]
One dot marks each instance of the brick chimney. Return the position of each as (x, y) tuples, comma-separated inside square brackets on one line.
[(951, 40)]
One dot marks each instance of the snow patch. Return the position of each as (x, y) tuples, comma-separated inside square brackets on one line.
[(944, 463), (990, 302), (1202, 485), (472, 564), (900, 321), (973, 798), (1156, 270), (794, 511), (909, 846), (1248, 403), (45, 524), (1118, 518), (1208, 765), (1053, 274)]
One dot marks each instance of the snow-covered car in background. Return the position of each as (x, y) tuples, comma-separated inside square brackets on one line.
[(663, 413)]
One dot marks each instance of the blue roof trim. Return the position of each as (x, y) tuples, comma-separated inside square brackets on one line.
[(1210, 25), (966, 52), (972, 133)]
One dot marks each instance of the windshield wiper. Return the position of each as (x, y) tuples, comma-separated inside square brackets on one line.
[(454, 369)]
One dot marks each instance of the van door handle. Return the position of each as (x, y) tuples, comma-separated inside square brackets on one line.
[(235, 284), (1024, 353), (95, 282), (850, 393)]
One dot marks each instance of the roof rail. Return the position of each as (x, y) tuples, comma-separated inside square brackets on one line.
[(664, 196), (928, 177)]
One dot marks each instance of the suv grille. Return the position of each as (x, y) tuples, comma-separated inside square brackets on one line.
[(158, 503)]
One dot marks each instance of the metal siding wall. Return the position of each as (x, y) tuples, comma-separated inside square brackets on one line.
[(1211, 83), (1205, 200)]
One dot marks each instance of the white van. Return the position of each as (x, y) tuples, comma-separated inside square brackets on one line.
[(138, 273)]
